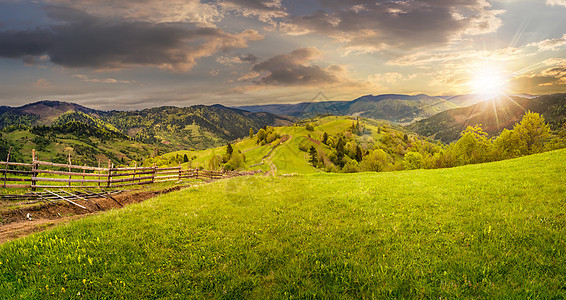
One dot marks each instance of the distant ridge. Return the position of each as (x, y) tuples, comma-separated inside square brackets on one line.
[(402, 109), (494, 115)]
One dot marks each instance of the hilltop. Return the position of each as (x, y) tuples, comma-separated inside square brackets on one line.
[(351, 144)]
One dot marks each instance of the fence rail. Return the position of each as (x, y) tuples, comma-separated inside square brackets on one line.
[(96, 177)]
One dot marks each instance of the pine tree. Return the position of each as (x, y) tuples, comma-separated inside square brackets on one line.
[(358, 154), (325, 138), (229, 149), (251, 132), (313, 156), (185, 158)]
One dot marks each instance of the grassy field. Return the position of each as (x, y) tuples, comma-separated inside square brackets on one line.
[(495, 230)]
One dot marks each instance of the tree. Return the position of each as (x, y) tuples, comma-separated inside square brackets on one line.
[(251, 132), (309, 127), (531, 133), (359, 155), (185, 158), (236, 161), (324, 138), (506, 145), (313, 156), (214, 162), (261, 135), (229, 149), (413, 160), (473, 147), (375, 161)]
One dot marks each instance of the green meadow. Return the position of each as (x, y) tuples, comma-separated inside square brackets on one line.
[(495, 230)]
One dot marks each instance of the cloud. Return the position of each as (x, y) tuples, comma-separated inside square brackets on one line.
[(294, 69), (264, 10), (556, 2), (41, 82), (549, 80), (365, 25), (82, 40), (550, 44), (86, 78), (236, 60), (154, 11)]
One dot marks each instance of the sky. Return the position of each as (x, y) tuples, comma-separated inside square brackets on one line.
[(135, 54)]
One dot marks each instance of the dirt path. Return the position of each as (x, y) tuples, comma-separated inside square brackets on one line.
[(15, 222), (268, 158)]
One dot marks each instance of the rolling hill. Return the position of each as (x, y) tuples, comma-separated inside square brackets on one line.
[(494, 115), (400, 109), (287, 152), (480, 231)]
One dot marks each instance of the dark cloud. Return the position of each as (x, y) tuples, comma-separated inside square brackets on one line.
[(293, 69), (249, 58), (82, 40), (371, 25)]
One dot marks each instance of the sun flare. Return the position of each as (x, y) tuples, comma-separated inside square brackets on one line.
[(488, 80)]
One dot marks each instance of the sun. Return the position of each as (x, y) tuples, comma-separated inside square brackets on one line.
[(488, 80)]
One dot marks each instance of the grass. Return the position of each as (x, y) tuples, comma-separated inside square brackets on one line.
[(480, 231)]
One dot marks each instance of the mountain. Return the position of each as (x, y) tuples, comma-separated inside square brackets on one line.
[(400, 109), (471, 99), (56, 129), (494, 115)]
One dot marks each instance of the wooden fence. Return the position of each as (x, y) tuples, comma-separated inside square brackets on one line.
[(42, 174)]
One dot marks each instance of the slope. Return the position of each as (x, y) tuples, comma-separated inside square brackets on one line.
[(494, 115), (289, 145), (481, 231)]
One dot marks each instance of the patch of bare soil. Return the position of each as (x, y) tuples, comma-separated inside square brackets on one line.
[(15, 223)]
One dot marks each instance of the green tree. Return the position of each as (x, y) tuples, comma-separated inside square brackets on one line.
[(473, 147), (214, 162), (313, 156), (359, 155), (185, 158), (413, 160), (324, 138), (376, 161), (261, 135), (229, 149), (251, 132), (531, 133)]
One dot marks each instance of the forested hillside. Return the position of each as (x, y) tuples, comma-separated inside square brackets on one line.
[(494, 116), (56, 129)]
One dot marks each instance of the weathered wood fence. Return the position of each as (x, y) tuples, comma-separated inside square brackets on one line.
[(43, 174)]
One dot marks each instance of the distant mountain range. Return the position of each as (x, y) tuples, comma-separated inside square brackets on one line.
[(401, 109), (494, 115)]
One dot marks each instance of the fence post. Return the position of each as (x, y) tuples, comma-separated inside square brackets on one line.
[(197, 172), (34, 166), (98, 171), (70, 169), (153, 174), (84, 172), (180, 168), (135, 170), (6, 167), (109, 173)]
